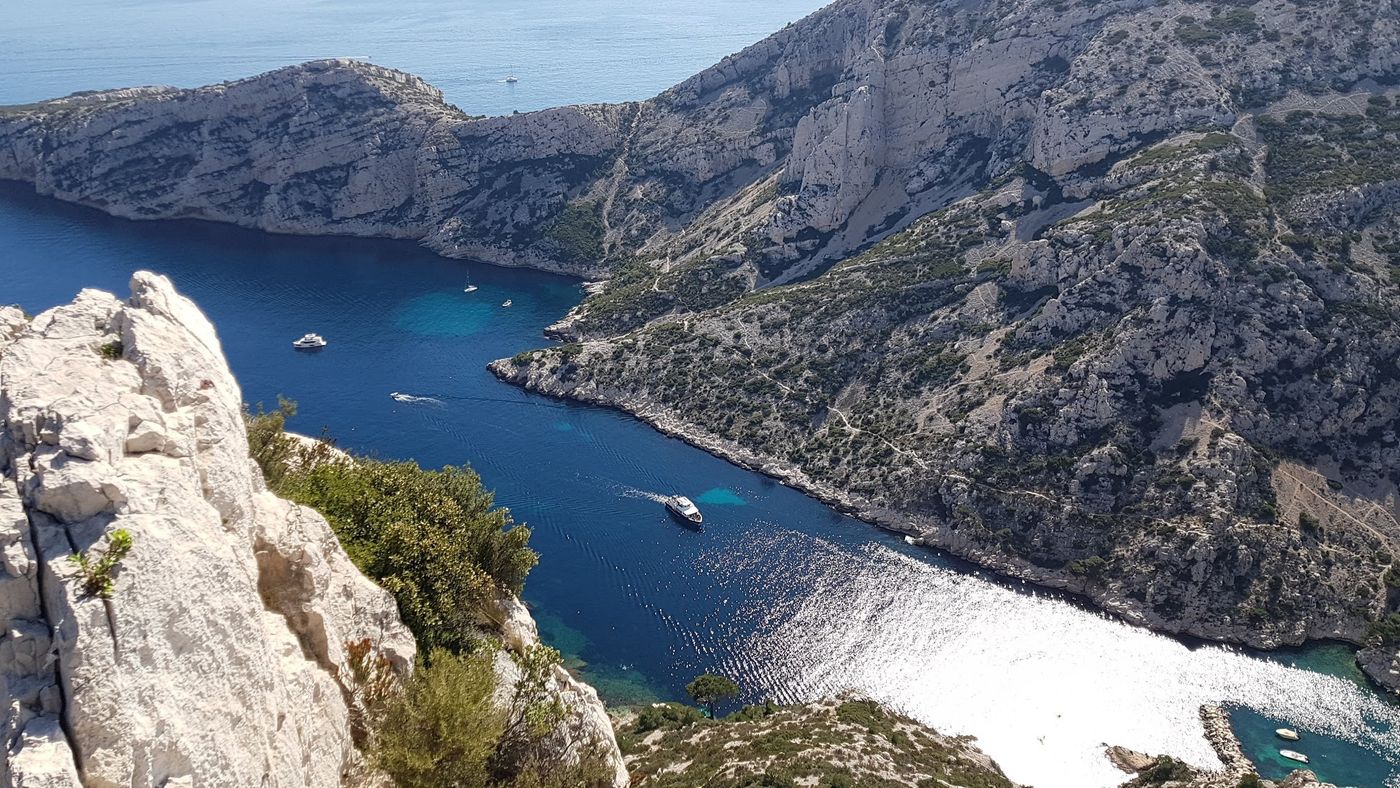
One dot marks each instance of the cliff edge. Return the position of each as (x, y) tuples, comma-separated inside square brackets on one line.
[(170, 621)]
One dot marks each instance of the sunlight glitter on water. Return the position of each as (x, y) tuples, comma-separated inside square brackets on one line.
[(955, 652)]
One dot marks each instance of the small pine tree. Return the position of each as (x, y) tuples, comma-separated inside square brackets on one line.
[(708, 689)]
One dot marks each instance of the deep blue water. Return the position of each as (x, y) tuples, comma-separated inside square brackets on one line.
[(779, 591), (563, 51), (782, 593)]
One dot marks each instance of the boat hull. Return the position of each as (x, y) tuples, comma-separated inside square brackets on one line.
[(696, 522)]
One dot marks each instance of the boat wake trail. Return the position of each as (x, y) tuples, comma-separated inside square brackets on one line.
[(627, 491), (410, 399)]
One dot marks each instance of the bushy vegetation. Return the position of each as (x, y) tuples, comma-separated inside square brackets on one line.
[(446, 702), (1317, 152), (96, 573), (1165, 770), (111, 351), (709, 689), (578, 230), (435, 541)]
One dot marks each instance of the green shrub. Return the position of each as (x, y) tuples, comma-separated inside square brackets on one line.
[(112, 351), (1165, 770), (1387, 630), (97, 574), (578, 230), (1093, 566), (666, 716), (442, 729), (431, 538), (709, 689)]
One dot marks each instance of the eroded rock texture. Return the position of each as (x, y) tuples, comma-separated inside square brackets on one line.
[(216, 657)]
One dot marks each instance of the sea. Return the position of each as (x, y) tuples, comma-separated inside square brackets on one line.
[(787, 596)]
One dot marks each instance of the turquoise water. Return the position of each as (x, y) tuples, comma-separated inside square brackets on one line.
[(1339, 762), (789, 597), (719, 496)]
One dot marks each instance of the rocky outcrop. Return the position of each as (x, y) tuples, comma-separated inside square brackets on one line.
[(217, 653), (791, 154), (846, 741), (216, 656), (1382, 664), (587, 730), (1167, 771)]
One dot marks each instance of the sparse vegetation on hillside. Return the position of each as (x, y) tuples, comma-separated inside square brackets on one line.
[(839, 744), (929, 376)]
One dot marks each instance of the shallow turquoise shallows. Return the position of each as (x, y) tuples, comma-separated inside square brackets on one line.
[(787, 596)]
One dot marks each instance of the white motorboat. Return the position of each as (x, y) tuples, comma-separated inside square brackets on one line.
[(1287, 733), (470, 288), (310, 342), (1294, 756), (507, 303), (512, 79), (684, 508)]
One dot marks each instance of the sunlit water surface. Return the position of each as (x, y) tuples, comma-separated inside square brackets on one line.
[(790, 598)]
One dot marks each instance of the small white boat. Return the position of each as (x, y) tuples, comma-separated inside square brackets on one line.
[(1287, 733), (507, 302), (310, 342), (684, 508), (512, 79), (470, 288), (1294, 756)]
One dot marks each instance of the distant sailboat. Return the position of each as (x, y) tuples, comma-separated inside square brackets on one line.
[(511, 79), (469, 288)]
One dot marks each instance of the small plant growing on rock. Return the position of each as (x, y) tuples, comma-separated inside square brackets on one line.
[(112, 351), (97, 573)]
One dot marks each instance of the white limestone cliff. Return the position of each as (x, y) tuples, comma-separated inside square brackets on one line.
[(865, 115), (217, 660)]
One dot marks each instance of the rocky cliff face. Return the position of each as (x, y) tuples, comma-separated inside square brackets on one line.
[(215, 659), (1067, 288), (1188, 362), (773, 163), (217, 656)]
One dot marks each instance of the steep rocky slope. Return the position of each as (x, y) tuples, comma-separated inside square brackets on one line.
[(1191, 362), (218, 655), (777, 160), (215, 659), (1067, 288)]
